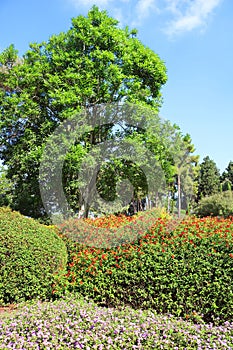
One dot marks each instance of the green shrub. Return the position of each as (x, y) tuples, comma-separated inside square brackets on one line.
[(32, 258), (219, 204), (187, 271)]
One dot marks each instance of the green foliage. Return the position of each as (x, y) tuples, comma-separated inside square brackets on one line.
[(219, 204), (92, 63), (121, 170), (185, 168), (6, 187), (182, 268), (32, 258), (227, 178), (8, 59), (209, 178)]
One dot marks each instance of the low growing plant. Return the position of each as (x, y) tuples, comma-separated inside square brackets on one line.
[(75, 323)]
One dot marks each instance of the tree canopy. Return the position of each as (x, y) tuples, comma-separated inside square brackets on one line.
[(95, 62), (209, 178)]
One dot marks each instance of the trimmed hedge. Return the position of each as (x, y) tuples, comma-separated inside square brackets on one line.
[(183, 268), (32, 258)]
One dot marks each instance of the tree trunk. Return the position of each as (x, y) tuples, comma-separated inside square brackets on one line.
[(179, 195), (86, 211)]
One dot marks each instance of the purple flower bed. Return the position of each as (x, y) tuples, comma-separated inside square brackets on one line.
[(75, 323)]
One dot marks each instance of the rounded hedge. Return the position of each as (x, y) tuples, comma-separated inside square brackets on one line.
[(32, 258)]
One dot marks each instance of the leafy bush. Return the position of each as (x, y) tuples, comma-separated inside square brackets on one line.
[(220, 204), (32, 258), (186, 270)]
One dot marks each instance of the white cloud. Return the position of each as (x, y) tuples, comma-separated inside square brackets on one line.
[(119, 15), (144, 8), (189, 14), (116, 7), (134, 11), (183, 15), (99, 3), (90, 3)]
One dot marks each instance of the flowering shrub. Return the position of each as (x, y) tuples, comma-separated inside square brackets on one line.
[(74, 323), (108, 231), (32, 257), (176, 279), (111, 221), (184, 268)]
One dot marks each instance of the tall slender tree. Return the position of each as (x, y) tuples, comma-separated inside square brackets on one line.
[(185, 168), (208, 179)]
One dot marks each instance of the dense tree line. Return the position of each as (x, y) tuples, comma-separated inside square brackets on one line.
[(210, 181)]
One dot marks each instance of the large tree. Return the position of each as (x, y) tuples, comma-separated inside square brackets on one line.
[(209, 178), (92, 63)]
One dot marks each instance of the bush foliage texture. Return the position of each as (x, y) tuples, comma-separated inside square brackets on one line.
[(32, 256), (219, 204), (182, 268)]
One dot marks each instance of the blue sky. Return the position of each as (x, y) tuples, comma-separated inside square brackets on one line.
[(192, 37)]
